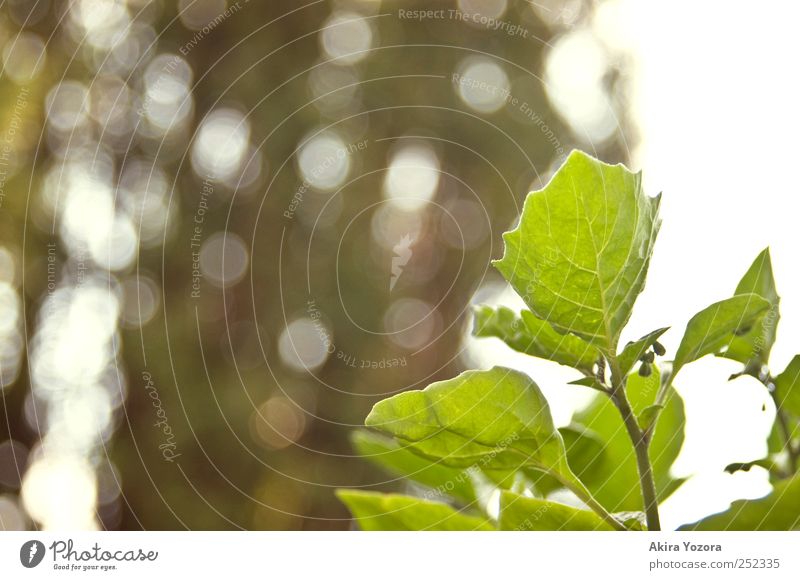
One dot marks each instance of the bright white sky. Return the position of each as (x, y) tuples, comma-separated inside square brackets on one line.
[(717, 99), (716, 96)]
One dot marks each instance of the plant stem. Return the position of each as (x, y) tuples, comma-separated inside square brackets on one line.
[(576, 486), (641, 443), (780, 416)]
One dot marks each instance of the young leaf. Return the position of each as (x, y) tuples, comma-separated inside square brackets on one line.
[(535, 337), (610, 481), (495, 419), (764, 462), (580, 253), (587, 382), (520, 513), (787, 387), (753, 348), (780, 510), (648, 415), (712, 330), (385, 452), (634, 350), (392, 512)]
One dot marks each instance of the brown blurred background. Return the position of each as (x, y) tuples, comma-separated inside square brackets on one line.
[(229, 228)]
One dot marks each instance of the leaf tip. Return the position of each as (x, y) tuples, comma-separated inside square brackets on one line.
[(374, 418)]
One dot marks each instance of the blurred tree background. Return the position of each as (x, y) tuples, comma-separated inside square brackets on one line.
[(228, 228)]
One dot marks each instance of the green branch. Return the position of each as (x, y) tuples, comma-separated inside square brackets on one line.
[(641, 442)]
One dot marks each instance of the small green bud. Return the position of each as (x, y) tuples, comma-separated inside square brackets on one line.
[(645, 370), (659, 348)]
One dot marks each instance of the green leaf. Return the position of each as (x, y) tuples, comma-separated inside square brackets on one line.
[(392, 512), (585, 453), (495, 419), (520, 513), (775, 439), (642, 390), (648, 415), (636, 520), (585, 450), (580, 254), (787, 387), (753, 349), (780, 510), (385, 452), (442, 482), (587, 382), (634, 350), (712, 330), (765, 463), (611, 481), (535, 337)]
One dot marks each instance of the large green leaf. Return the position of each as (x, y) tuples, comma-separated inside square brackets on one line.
[(385, 452), (780, 510), (586, 455), (580, 253), (585, 451), (613, 481), (495, 419), (392, 512), (754, 347), (712, 330), (520, 513), (535, 337), (787, 387)]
